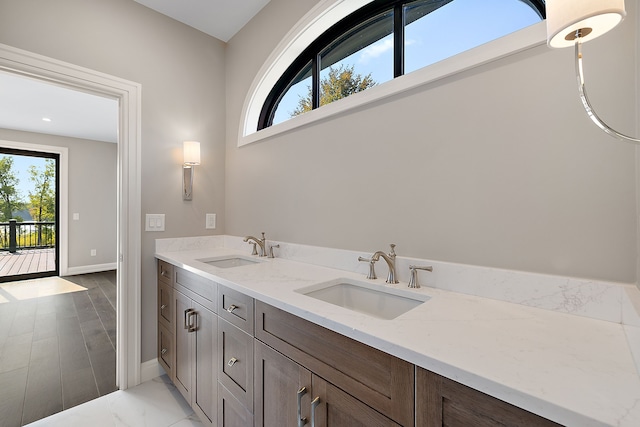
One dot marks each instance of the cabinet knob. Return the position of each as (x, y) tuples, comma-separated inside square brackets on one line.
[(231, 308), (163, 306), (163, 351), (232, 361)]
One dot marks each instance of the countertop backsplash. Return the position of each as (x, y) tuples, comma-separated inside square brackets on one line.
[(613, 302)]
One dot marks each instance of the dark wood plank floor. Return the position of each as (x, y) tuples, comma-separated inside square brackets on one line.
[(57, 351)]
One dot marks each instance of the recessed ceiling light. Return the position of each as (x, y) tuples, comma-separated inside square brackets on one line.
[(46, 119)]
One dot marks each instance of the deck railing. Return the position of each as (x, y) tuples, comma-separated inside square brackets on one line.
[(27, 235)]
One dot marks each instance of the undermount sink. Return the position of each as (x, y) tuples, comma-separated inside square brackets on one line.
[(367, 298), (228, 261)]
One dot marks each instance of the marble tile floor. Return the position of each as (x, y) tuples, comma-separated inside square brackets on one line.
[(57, 345), (155, 403)]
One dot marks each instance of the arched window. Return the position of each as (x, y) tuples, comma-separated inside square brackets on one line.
[(386, 39)]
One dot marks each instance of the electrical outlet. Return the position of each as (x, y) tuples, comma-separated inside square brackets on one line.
[(211, 221), (93, 252)]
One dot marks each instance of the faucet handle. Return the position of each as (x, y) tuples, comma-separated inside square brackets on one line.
[(392, 253), (413, 271), (372, 267), (271, 250)]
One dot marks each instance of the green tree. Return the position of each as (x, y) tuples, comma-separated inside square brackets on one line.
[(42, 200), (339, 83), (10, 200)]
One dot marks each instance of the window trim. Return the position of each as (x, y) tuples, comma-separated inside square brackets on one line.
[(324, 16)]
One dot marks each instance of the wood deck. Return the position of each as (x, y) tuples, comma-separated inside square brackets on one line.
[(27, 262)]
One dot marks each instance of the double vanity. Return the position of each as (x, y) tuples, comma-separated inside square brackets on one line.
[(252, 340)]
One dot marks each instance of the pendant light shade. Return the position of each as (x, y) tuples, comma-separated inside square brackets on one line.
[(593, 17)]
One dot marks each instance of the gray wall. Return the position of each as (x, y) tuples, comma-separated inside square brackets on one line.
[(181, 71), (498, 166), (92, 194)]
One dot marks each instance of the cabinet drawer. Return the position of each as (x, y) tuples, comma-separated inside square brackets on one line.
[(166, 355), (235, 362), (236, 308), (376, 378), (443, 402), (165, 272), (165, 305), (198, 288), (231, 413)]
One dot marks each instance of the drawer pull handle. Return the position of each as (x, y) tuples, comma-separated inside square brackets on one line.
[(231, 308), (164, 351), (314, 404), (232, 362), (301, 420), (186, 315), (193, 321)]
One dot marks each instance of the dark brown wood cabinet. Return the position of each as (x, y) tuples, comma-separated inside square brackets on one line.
[(289, 395), (443, 402), (235, 362), (187, 337), (282, 389), (166, 329), (232, 413), (195, 356), (241, 362), (375, 383), (332, 407)]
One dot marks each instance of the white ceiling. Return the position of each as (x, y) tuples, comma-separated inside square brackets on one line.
[(24, 101), (218, 18)]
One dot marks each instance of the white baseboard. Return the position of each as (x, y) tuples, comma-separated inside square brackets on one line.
[(150, 370), (95, 268)]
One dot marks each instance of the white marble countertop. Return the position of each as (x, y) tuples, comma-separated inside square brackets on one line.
[(576, 371)]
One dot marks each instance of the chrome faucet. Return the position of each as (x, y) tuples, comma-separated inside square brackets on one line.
[(391, 262), (260, 242)]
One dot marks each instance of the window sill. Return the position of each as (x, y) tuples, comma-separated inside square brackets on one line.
[(527, 38)]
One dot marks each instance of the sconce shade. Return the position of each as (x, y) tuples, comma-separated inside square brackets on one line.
[(596, 17), (191, 153)]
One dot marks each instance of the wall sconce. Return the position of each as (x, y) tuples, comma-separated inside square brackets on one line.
[(571, 22), (191, 151)]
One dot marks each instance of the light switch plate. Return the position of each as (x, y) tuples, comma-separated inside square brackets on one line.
[(211, 221), (154, 222)]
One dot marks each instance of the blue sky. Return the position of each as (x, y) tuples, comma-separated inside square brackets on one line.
[(454, 28), (21, 169)]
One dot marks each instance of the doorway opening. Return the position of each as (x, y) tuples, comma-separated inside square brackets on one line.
[(29, 214), (128, 94)]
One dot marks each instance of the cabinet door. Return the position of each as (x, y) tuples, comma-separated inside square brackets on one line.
[(184, 354), (376, 378), (443, 402), (204, 399), (282, 389), (332, 407)]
